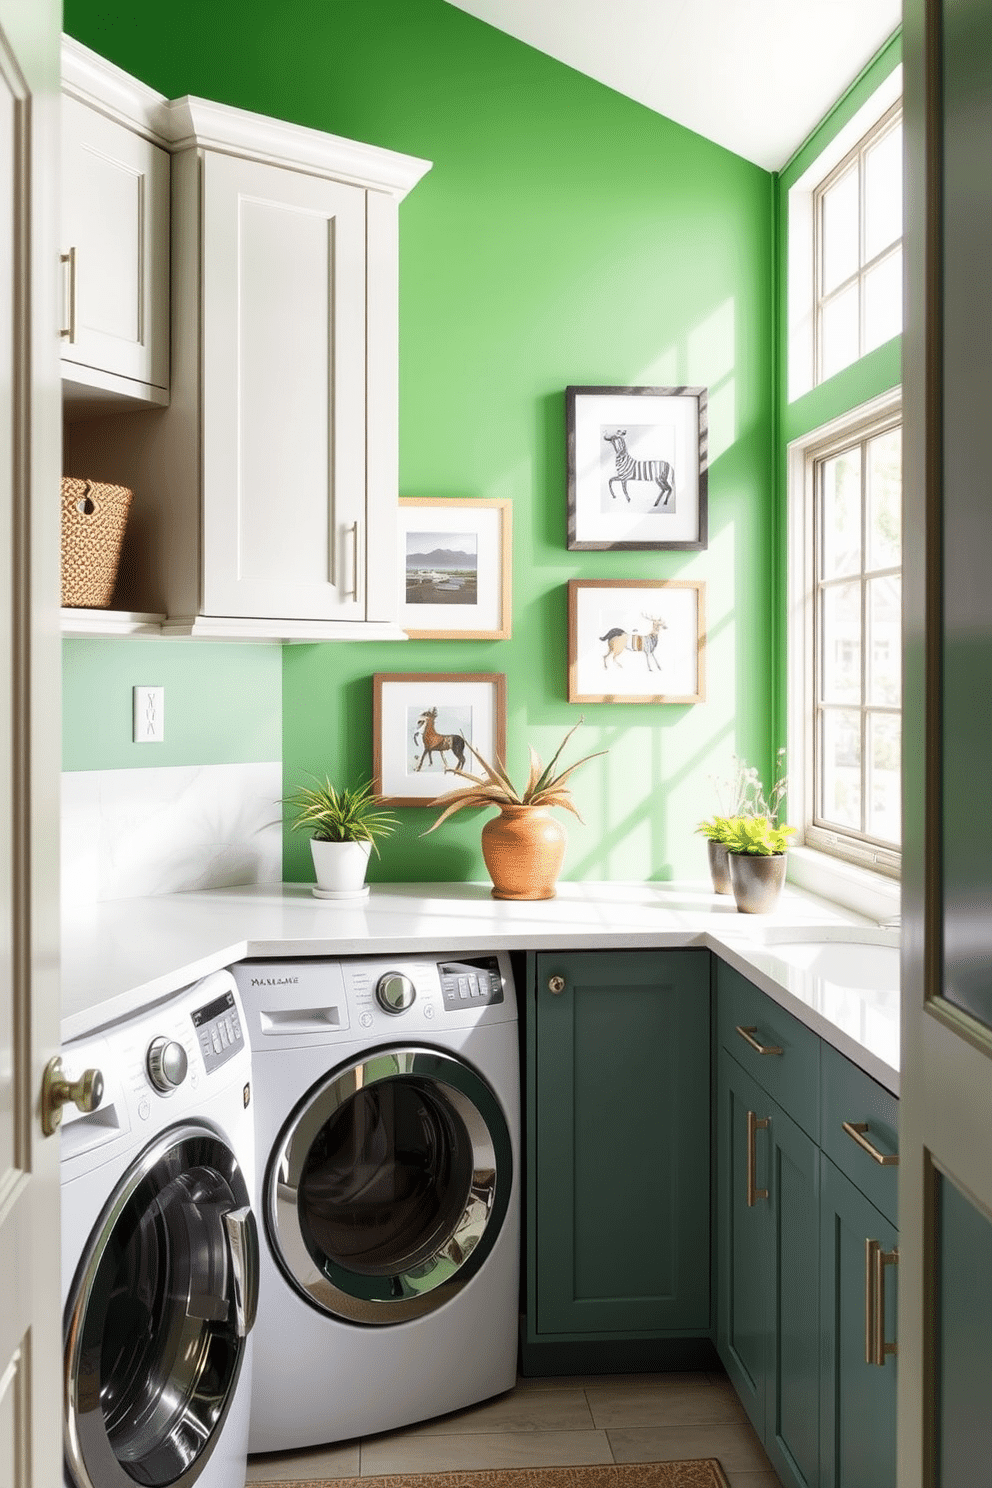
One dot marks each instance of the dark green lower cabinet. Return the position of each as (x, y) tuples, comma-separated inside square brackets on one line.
[(618, 1112), (767, 1212), (858, 1398)]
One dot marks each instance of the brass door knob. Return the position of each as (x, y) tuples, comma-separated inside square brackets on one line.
[(556, 984), (86, 1093)]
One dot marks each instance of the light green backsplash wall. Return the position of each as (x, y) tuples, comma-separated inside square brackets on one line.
[(564, 235), (223, 704), (874, 374)]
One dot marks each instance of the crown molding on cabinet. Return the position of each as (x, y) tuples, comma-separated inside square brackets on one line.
[(215, 126), (93, 80), (185, 123)]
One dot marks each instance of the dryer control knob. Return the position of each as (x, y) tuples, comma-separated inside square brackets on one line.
[(395, 992), (167, 1064)]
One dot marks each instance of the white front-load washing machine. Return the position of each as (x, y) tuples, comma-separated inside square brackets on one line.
[(160, 1247), (388, 1135)]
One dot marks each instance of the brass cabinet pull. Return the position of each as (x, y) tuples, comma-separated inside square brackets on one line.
[(856, 1131), (876, 1260), (747, 1034), (755, 1124), (68, 332), (556, 985)]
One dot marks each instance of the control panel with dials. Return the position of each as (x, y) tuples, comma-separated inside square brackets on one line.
[(218, 1031)]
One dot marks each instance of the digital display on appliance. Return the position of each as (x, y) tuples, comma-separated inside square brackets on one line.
[(474, 983), (213, 1009)]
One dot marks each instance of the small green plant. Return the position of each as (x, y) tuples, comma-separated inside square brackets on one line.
[(759, 837), (495, 788), (719, 828), (347, 815)]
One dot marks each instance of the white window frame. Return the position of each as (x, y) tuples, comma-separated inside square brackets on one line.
[(855, 158), (862, 875), (801, 297)]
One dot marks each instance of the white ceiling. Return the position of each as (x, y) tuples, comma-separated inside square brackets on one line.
[(754, 75)]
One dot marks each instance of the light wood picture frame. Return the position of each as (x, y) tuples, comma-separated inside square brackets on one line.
[(637, 468), (636, 641), (421, 723), (455, 561)]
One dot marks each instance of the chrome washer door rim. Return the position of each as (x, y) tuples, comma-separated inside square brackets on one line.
[(90, 1457), (332, 1287)]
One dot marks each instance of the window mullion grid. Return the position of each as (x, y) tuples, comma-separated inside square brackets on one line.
[(864, 636)]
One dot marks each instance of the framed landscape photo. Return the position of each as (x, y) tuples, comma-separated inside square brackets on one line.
[(636, 641), (422, 723), (455, 557), (637, 467)]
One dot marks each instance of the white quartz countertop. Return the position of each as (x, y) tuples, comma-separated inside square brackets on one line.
[(123, 955)]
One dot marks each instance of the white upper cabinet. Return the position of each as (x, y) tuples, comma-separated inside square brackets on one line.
[(284, 404), (115, 239), (265, 494)]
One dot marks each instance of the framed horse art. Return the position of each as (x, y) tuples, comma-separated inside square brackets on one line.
[(425, 726)]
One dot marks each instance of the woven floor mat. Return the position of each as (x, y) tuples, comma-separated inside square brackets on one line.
[(706, 1473)]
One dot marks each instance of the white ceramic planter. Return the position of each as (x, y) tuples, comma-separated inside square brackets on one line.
[(340, 868)]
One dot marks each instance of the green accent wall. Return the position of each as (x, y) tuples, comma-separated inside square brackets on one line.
[(565, 235), (223, 703)]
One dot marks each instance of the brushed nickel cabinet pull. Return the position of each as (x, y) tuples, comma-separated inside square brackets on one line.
[(755, 1124), (68, 332), (747, 1034), (856, 1131)]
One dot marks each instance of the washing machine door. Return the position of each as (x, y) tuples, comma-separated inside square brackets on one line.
[(158, 1317), (388, 1185)]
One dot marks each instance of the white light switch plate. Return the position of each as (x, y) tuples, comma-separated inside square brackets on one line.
[(149, 715)]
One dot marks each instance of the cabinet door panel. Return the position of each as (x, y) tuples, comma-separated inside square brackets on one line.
[(858, 1400), (623, 1144), (743, 1238), (283, 393), (115, 215), (792, 1411)]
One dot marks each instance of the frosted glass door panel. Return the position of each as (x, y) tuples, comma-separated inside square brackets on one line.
[(115, 221), (284, 393)]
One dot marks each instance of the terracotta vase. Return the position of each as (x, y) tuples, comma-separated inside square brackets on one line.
[(523, 848), (719, 866), (757, 881)]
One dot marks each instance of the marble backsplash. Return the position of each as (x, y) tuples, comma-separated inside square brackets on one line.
[(130, 833)]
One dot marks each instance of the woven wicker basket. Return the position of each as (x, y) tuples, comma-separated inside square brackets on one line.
[(93, 520)]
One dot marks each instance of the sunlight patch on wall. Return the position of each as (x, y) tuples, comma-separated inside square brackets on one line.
[(712, 344)]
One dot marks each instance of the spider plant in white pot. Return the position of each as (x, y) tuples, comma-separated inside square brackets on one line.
[(344, 825)]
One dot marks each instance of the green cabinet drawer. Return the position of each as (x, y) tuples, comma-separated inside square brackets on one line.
[(848, 1095), (746, 1017)]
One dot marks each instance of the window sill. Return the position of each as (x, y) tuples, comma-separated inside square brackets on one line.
[(855, 888)]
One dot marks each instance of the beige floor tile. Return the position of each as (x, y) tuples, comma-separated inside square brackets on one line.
[(677, 1401), (340, 1460), (560, 1409), (735, 1445), (399, 1452)]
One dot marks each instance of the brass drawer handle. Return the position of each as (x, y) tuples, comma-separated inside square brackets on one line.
[(755, 1124), (876, 1260), (856, 1131), (747, 1034)]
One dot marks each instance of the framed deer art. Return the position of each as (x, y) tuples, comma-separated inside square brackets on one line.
[(636, 641), (637, 467)]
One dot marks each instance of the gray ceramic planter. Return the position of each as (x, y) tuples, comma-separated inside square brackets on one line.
[(719, 867), (757, 881)]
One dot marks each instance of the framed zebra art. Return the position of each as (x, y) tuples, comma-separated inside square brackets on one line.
[(422, 725), (636, 641), (637, 467)]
